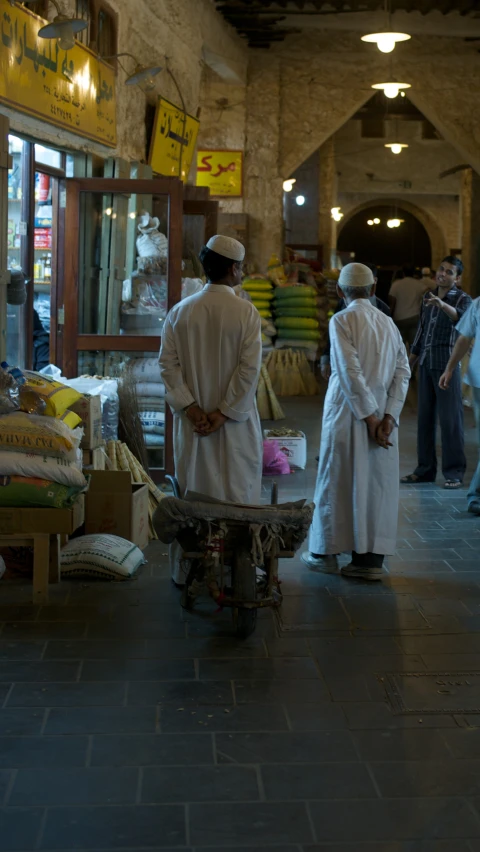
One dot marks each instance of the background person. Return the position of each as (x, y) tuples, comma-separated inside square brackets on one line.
[(356, 494), (433, 345), (405, 300), (469, 331)]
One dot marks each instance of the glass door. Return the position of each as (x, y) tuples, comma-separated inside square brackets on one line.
[(17, 247), (121, 259)]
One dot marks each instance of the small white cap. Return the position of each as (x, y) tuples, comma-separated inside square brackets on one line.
[(227, 247), (356, 275)]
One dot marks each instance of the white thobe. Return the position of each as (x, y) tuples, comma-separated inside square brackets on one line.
[(357, 490), (211, 354)]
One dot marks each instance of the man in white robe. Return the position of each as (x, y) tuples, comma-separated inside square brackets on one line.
[(210, 362), (356, 495)]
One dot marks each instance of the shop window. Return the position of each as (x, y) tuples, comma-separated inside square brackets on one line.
[(82, 10), (48, 156), (106, 35)]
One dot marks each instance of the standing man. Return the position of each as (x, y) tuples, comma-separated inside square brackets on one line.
[(433, 345), (468, 329), (405, 300), (325, 367), (210, 362), (356, 495)]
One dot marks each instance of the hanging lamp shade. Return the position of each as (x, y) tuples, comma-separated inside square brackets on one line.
[(385, 41), (392, 88), (396, 147)]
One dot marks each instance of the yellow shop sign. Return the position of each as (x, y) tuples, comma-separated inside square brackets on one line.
[(221, 171), (173, 141), (74, 90)]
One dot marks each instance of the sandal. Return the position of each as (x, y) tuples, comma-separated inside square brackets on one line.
[(413, 479), (453, 484)]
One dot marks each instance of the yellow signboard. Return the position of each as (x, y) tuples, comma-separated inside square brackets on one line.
[(221, 171), (74, 90), (173, 141)]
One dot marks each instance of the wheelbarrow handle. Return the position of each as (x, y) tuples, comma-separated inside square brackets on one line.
[(174, 483)]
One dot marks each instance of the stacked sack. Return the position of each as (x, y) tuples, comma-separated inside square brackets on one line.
[(260, 290), (151, 402), (40, 459), (297, 318)]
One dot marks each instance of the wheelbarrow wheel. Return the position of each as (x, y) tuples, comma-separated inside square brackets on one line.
[(244, 589)]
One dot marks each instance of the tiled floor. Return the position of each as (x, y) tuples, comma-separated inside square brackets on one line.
[(128, 724)]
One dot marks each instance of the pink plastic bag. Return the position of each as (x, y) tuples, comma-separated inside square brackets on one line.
[(275, 463)]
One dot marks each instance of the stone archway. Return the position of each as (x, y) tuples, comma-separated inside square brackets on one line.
[(435, 233)]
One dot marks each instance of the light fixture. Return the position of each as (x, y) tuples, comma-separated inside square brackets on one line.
[(394, 223), (337, 214), (396, 147), (392, 89), (132, 215), (370, 222), (62, 28), (300, 199), (288, 184), (376, 221), (385, 41), (108, 211), (142, 75)]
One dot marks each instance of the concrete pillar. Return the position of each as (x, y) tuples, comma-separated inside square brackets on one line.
[(327, 227), (471, 232), (263, 183)]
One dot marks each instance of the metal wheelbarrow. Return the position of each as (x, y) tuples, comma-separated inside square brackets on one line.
[(232, 551)]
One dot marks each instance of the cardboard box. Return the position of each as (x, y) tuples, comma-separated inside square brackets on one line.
[(89, 408), (94, 459), (116, 506), (295, 449), (53, 521)]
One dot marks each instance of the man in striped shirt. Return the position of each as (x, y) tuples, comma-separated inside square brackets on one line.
[(433, 345)]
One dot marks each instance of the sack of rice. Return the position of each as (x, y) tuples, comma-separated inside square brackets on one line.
[(57, 396), (41, 467), (107, 557), (40, 436), (29, 492)]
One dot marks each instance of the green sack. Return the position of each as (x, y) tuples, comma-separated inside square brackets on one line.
[(300, 334), (29, 492), (295, 292), (296, 322), (297, 312)]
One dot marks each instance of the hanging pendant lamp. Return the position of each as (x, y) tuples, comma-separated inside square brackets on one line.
[(391, 89), (387, 39)]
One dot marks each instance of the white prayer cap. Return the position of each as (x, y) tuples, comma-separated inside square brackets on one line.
[(356, 275), (227, 247)]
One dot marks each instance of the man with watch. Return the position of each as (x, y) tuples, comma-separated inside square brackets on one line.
[(356, 494), (434, 342), (210, 362)]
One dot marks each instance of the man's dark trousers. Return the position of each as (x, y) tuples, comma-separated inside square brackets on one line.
[(449, 406)]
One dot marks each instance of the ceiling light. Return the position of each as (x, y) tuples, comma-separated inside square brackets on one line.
[(385, 41), (62, 28), (142, 75), (394, 223), (376, 221), (288, 184), (391, 90), (369, 221), (300, 199), (396, 147), (337, 215)]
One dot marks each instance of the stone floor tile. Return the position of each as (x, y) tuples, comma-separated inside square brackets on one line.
[(283, 691), (52, 787), (452, 662), (23, 612), (402, 744), (394, 819), (38, 670), (122, 670), (181, 692), (266, 823), (21, 722), (5, 776), (12, 650), (317, 781), (315, 717), (199, 784), (393, 846), (26, 630), (287, 647), (66, 694), (19, 828), (301, 747), (294, 668), (129, 827), (85, 614), (377, 715), (85, 649), (100, 720), (442, 607), (152, 750), (245, 717), (37, 752), (463, 743), (408, 779), (461, 644)]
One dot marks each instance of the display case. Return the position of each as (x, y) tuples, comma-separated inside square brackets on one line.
[(121, 273)]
